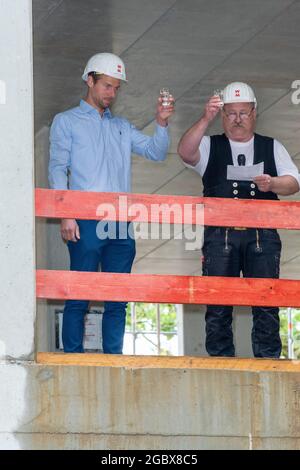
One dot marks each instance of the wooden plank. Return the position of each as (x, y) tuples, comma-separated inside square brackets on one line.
[(167, 209), (169, 362), (167, 288)]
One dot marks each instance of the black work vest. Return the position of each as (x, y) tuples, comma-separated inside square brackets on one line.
[(215, 177)]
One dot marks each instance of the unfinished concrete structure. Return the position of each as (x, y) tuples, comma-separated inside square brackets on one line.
[(193, 47)]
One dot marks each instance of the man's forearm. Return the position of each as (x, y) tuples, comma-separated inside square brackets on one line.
[(188, 147), (158, 145), (284, 185), (58, 179)]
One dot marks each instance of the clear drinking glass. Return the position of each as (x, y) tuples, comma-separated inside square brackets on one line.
[(218, 92), (165, 96)]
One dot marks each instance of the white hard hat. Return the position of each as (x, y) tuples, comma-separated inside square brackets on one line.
[(238, 92), (106, 63)]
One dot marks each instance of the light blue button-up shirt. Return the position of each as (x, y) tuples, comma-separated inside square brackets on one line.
[(90, 152)]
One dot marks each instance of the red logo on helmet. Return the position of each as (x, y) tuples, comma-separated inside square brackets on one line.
[(120, 68), (237, 93)]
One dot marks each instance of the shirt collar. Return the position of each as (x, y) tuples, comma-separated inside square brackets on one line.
[(242, 144), (87, 108)]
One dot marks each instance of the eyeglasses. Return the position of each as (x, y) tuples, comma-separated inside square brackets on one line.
[(232, 116)]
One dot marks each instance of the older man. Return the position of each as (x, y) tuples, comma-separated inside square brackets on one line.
[(230, 251)]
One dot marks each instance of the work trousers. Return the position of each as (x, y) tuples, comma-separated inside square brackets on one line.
[(255, 253), (115, 254)]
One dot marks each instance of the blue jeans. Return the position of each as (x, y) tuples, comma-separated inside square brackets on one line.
[(115, 255), (255, 253)]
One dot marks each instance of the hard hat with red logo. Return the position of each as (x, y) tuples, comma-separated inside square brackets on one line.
[(106, 63), (238, 92)]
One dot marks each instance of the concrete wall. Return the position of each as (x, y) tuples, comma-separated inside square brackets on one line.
[(43, 325), (71, 407), (17, 276)]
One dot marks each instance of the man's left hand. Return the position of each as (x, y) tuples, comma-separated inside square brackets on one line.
[(264, 183), (164, 112)]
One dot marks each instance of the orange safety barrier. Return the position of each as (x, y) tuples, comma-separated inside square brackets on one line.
[(170, 289), (217, 211), (167, 288)]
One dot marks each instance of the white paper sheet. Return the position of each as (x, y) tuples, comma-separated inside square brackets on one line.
[(244, 173)]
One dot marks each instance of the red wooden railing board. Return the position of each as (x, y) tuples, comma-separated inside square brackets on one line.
[(167, 288), (217, 211)]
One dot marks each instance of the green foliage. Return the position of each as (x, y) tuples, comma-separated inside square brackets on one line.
[(284, 332), (146, 317), (146, 323)]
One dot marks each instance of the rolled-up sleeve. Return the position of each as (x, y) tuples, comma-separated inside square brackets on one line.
[(284, 162), (60, 152), (153, 148)]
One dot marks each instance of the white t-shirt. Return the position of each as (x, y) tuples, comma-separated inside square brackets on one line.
[(283, 161)]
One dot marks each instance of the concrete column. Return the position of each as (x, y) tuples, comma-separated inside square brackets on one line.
[(194, 330), (242, 326), (17, 277)]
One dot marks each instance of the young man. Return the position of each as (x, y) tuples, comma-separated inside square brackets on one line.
[(90, 150), (228, 251)]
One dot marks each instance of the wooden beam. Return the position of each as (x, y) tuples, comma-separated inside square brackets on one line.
[(167, 209), (167, 288), (169, 362)]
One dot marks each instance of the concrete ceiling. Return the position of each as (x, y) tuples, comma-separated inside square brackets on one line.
[(191, 46)]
